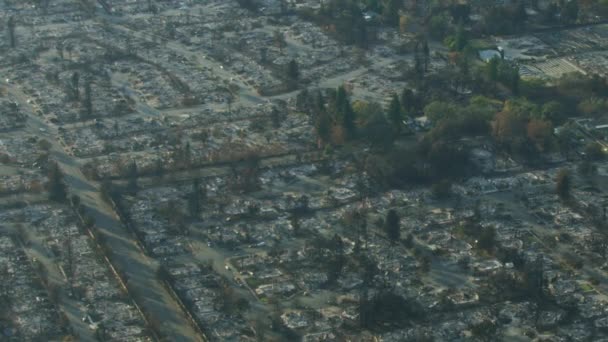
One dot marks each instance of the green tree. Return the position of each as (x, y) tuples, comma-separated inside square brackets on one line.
[(392, 226), (514, 81), (344, 111), (56, 185), (492, 69), (379, 132), (594, 151), (438, 110), (304, 102), (554, 111), (483, 107), (438, 27), (593, 106), (341, 98), (567, 138)]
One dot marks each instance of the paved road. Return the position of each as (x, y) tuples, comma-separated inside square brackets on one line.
[(139, 269)]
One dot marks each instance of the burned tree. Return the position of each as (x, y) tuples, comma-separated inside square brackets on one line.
[(293, 71), (11, 32), (75, 82), (563, 184), (245, 174), (195, 199), (88, 101)]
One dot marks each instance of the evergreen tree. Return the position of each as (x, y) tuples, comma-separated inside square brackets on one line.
[(194, 199), (426, 52), (408, 101), (275, 117), (323, 128), (460, 40), (345, 112), (379, 132), (393, 226), (341, 98), (563, 184), (348, 120), (304, 102), (132, 175), (56, 185), (293, 71)]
